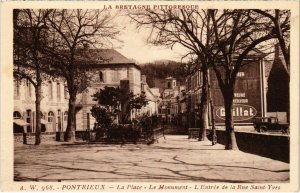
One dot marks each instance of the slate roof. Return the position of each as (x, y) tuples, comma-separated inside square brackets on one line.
[(108, 56), (256, 52), (169, 78), (103, 57)]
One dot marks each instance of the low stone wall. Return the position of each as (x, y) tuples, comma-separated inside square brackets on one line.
[(30, 137), (47, 136), (272, 146), (80, 136)]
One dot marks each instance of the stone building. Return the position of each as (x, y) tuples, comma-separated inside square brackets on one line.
[(113, 70), (190, 100), (249, 94), (169, 106), (153, 98), (54, 106), (108, 68)]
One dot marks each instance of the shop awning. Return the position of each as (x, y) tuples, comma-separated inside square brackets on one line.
[(21, 122)]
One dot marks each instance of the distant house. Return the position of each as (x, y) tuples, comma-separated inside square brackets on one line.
[(153, 98), (169, 106)]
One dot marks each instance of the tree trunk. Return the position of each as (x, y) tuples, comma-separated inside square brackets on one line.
[(213, 127), (70, 131), (38, 114), (231, 143), (204, 107)]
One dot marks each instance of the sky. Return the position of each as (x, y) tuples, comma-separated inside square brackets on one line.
[(135, 45)]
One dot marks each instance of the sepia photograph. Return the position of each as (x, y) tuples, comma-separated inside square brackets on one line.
[(179, 96)]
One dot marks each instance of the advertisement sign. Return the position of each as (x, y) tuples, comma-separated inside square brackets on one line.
[(248, 99), (240, 112)]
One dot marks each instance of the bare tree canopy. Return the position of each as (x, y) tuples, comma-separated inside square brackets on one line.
[(188, 28), (221, 39), (30, 36), (61, 40), (73, 33), (280, 25)]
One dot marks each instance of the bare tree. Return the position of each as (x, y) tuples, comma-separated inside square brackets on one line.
[(30, 34), (73, 33), (236, 33), (280, 25), (222, 39), (188, 28)]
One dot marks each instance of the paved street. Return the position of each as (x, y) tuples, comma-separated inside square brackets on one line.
[(175, 159)]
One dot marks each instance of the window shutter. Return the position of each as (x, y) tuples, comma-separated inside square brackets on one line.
[(104, 76)]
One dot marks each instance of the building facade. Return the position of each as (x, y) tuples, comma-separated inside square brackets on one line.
[(153, 98), (109, 71), (170, 105), (109, 68), (249, 94), (250, 97), (54, 106), (190, 100)]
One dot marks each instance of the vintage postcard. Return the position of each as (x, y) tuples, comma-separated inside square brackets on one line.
[(150, 96)]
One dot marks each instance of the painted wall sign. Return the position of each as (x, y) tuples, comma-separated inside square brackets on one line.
[(248, 96), (240, 112)]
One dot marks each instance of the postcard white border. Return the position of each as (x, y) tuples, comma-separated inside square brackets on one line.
[(7, 183)]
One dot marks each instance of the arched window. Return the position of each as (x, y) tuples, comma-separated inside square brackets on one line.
[(50, 116), (169, 84), (17, 115), (101, 76), (65, 115)]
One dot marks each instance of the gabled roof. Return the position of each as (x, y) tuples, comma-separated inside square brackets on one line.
[(252, 54)]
